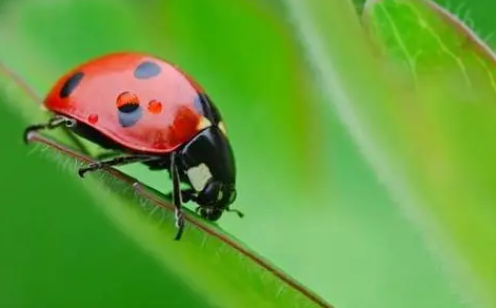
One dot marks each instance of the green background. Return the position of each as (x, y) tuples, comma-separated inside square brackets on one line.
[(312, 204)]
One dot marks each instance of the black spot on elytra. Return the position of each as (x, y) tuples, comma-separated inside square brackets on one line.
[(206, 108), (70, 85), (128, 108), (128, 119), (147, 70)]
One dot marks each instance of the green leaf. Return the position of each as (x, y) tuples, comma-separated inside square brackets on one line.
[(453, 72), (429, 41), (430, 141), (212, 264)]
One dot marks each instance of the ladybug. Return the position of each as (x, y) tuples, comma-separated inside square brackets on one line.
[(148, 111)]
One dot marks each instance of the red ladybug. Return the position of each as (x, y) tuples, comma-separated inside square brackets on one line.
[(150, 112)]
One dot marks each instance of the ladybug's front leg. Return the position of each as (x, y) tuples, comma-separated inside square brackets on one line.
[(187, 195), (54, 122)]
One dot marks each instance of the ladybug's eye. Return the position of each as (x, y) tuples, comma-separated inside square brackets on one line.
[(232, 197), (220, 194), (127, 102)]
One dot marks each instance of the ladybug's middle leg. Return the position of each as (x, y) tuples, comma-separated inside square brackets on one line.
[(117, 161), (176, 196)]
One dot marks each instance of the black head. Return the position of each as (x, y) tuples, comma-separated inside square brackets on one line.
[(208, 163)]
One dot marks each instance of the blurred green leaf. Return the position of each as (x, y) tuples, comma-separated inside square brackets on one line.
[(433, 153), (453, 72)]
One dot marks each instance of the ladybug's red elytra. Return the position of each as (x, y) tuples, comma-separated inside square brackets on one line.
[(150, 112)]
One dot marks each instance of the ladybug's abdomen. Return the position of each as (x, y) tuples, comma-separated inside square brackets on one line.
[(138, 101)]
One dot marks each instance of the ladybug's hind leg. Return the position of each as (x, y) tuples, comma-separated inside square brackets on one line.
[(107, 155), (54, 122), (114, 162)]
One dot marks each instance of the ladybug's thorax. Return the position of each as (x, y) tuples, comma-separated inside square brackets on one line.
[(208, 163)]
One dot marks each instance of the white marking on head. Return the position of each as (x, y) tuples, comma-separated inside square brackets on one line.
[(204, 123), (222, 128), (199, 176)]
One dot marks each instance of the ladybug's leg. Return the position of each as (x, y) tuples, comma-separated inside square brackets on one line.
[(107, 155), (240, 214), (187, 195), (176, 196), (51, 124), (117, 161)]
